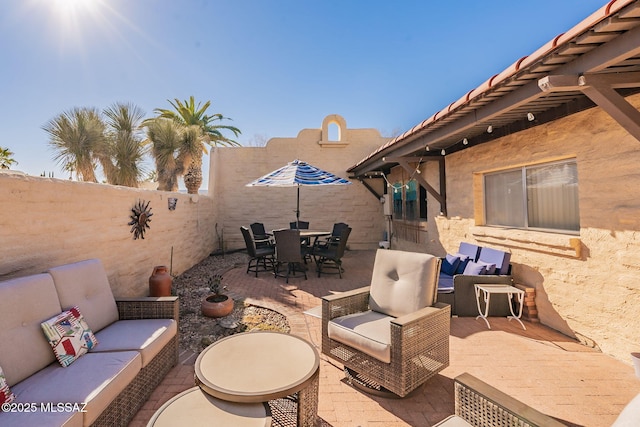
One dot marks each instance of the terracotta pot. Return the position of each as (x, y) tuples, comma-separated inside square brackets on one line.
[(160, 282), (217, 305)]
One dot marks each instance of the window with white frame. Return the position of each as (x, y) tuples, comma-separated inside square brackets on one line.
[(541, 197)]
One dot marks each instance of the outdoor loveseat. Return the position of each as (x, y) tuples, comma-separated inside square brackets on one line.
[(137, 345), (473, 264)]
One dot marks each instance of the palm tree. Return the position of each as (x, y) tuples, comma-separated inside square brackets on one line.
[(6, 158), (166, 138), (75, 135), (123, 152), (201, 129)]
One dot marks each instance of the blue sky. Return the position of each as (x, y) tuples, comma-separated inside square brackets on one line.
[(273, 66)]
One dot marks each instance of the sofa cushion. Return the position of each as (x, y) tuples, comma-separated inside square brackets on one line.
[(69, 336), (445, 283), (95, 379), (6, 395), (470, 250), (41, 418), (85, 284), (501, 259), (403, 282), (148, 336), (473, 269), (630, 414), (449, 264), (24, 303), (369, 332)]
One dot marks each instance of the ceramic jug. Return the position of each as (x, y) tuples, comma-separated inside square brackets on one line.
[(160, 282)]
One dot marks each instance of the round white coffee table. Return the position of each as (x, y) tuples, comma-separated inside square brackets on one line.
[(262, 366), (194, 408)]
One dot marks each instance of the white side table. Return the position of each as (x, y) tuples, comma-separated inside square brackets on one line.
[(488, 289)]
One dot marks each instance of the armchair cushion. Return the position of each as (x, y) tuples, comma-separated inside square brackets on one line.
[(403, 282), (369, 332)]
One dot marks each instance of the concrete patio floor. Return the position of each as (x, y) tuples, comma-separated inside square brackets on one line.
[(577, 385)]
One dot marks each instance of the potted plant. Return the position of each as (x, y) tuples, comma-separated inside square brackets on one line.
[(217, 304)]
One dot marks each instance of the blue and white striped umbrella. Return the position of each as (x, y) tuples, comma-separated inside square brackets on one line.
[(295, 174)]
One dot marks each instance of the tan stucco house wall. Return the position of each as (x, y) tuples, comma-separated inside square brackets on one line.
[(587, 285), (237, 205)]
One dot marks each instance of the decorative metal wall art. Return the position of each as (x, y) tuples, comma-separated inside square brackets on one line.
[(172, 201), (140, 218)]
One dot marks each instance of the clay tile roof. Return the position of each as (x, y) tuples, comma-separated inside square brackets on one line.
[(559, 51)]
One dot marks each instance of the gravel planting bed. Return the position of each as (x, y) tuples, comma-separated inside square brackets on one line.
[(198, 331)]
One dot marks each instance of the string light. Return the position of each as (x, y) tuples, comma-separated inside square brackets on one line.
[(465, 141), (397, 187)]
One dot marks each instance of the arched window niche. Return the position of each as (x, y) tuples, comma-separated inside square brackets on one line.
[(334, 131)]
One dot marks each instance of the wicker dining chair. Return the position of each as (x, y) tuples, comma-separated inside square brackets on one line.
[(330, 255), (260, 258), (260, 235), (289, 254), (334, 238), (391, 336)]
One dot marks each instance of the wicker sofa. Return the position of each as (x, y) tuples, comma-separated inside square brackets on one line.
[(456, 281), (479, 404), (137, 346)]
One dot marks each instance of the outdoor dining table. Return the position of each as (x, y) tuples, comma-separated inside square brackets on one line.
[(315, 234)]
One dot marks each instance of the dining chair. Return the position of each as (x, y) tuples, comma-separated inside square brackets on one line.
[(260, 258), (306, 242), (330, 256), (289, 253), (334, 238), (260, 235)]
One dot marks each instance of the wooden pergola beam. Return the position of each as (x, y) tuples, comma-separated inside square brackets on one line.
[(600, 88)]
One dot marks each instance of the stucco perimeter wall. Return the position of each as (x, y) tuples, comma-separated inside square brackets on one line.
[(237, 205), (48, 222), (587, 285)]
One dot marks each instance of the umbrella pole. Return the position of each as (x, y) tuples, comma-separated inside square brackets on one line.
[(298, 209)]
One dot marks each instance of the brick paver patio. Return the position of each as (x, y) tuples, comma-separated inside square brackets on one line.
[(547, 370)]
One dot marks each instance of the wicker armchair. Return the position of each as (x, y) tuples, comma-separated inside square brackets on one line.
[(479, 404), (391, 336)]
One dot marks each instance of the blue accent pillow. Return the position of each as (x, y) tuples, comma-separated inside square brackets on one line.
[(474, 269), (464, 259), (449, 264)]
